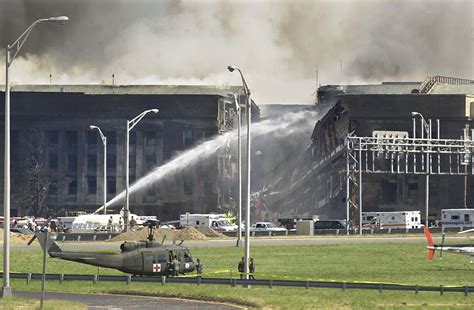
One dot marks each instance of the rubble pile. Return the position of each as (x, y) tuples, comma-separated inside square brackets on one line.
[(16, 237), (189, 233), (211, 233)]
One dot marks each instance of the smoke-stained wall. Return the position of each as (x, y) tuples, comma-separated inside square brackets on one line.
[(278, 44)]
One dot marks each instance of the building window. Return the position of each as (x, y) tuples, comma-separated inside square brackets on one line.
[(133, 161), (111, 186), (188, 188), (111, 137), (72, 188), (208, 188), (71, 137), (91, 185), (150, 161), (150, 138), (52, 137), (71, 163), (187, 137), (14, 137), (133, 138), (91, 161), (111, 161), (53, 188), (92, 137), (53, 161)]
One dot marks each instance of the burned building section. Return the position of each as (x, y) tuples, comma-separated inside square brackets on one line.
[(314, 185), (69, 156), (317, 185)]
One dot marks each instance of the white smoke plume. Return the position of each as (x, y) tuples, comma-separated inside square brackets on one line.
[(279, 44), (291, 130)]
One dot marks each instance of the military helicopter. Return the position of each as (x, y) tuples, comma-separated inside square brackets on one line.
[(139, 258)]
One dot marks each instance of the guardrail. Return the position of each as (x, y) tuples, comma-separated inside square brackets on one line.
[(337, 232), (102, 236), (128, 279)]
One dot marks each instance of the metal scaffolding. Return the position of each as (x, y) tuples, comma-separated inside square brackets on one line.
[(394, 152)]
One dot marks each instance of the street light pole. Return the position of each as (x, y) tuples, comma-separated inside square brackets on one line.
[(15, 47), (247, 215), (239, 165), (104, 142), (424, 125), (130, 125)]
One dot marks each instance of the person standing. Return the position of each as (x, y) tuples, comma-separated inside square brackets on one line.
[(120, 225), (198, 268), (110, 224), (251, 269), (175, 266), (133, 222), (241, 268)]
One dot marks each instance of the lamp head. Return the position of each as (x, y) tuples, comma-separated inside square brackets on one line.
[(92, 127), (231, 68), (154, 110), (59, 19), (413, 114)]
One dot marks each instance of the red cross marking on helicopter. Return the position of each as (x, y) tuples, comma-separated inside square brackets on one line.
[(156, 267)]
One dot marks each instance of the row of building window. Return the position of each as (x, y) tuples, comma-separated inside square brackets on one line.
[(71, 164)]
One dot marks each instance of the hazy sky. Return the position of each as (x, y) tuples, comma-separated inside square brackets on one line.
[(279, 45)]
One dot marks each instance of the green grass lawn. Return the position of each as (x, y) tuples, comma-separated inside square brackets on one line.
[(404, 263), (25, 303)]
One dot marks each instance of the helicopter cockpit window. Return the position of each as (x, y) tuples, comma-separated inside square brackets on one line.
[(187, 257), (149, 258), (162, 258)]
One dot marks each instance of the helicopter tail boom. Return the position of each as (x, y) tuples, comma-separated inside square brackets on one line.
[(53, 247)]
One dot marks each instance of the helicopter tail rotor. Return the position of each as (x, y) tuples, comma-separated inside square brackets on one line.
[(431, 246)]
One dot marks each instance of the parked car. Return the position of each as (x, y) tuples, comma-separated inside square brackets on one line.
[(266, 226), (329, 224)]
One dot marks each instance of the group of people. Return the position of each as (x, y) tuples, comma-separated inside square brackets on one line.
[(111, 227), (35, 226), (241, 268), (176, 264)]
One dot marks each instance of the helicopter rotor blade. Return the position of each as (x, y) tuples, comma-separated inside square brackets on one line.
[(32, 239)]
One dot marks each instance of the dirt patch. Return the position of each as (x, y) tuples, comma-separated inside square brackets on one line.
[(16, 238), (211, 233), (188, 233)]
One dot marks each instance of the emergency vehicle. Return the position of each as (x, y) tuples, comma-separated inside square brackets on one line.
[(218, 222), (457, 218), (395, 219)]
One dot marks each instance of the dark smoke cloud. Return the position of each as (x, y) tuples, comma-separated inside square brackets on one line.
[(278, 44)]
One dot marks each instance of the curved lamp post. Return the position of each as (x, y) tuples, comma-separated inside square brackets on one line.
[(104, 142), (130, 125), (247, 215), (14, 49)]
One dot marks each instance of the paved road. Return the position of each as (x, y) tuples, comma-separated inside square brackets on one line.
[(116, 302), (260, 241)]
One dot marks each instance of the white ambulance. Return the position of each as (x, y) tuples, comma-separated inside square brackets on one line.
[(457, 218), (218, 222), (395, 219)]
